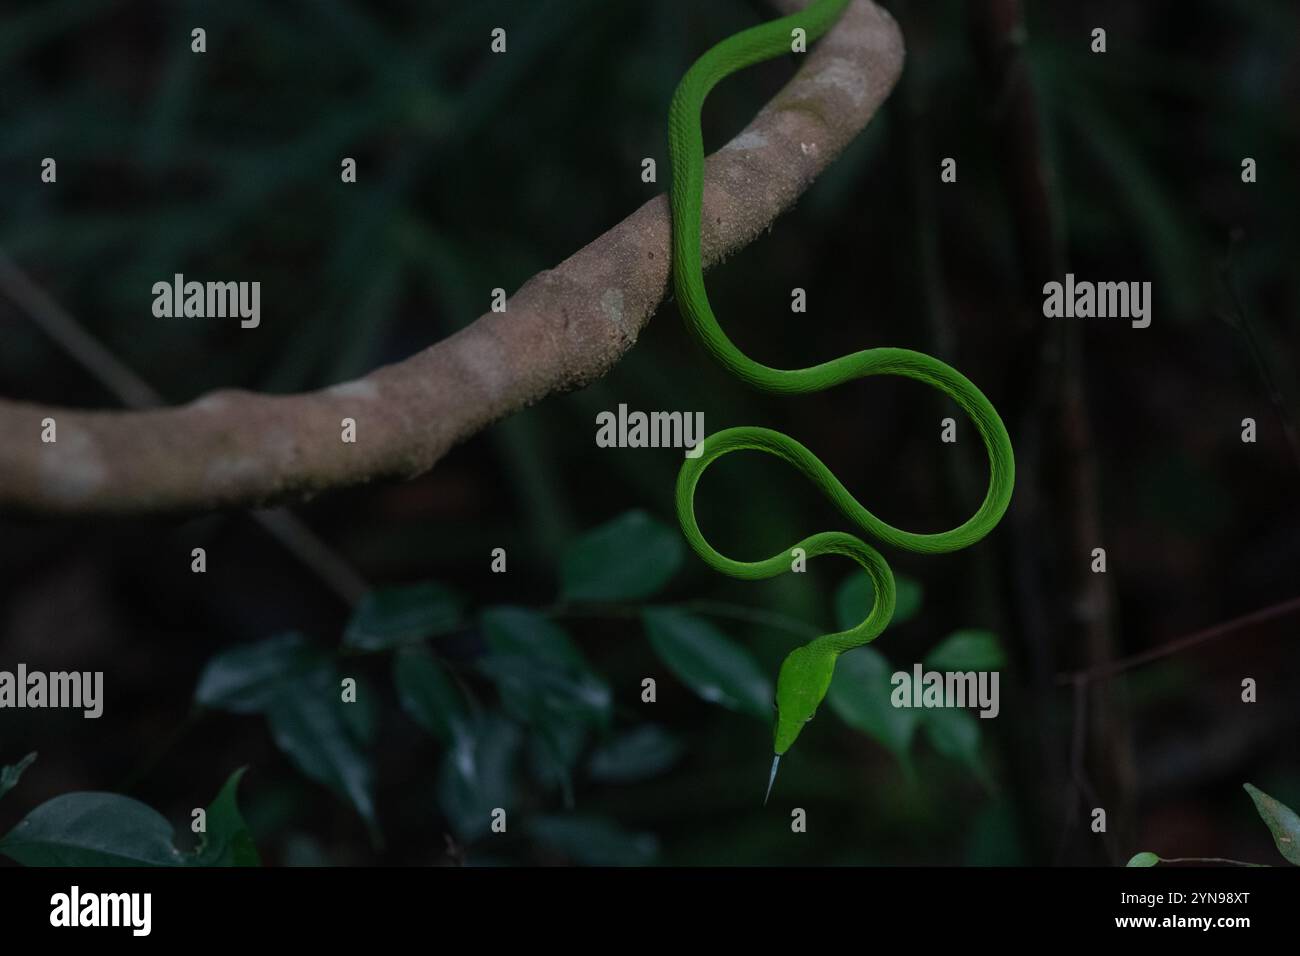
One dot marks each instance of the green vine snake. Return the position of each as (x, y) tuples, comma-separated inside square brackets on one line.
[(806, 673)]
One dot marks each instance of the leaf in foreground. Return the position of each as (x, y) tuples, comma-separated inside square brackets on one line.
[(708, 662), (627, 559), (860, 694), (93, 829), (308, 725), (477, 775), (427, 694), (855, 596), (227, 841), (1282, 823), (968, 650), (403, 615), (640, 753), (245, 679)]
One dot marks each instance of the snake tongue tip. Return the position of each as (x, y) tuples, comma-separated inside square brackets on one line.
[(776, 759)]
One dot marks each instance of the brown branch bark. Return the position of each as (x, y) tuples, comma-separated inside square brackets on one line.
[(562, 329)]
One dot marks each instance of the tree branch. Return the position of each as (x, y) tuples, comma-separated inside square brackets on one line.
[(564, 328)]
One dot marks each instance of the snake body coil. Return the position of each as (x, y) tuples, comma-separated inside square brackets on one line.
[(806, 673)]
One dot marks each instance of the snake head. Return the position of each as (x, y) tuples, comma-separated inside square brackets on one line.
[(801, 685)]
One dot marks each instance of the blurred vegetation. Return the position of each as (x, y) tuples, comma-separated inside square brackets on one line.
[(522, 690)]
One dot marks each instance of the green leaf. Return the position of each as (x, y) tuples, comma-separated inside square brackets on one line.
[(1282, 823), (404, 615), (228, 841), (553, 750), (477, 775), (537, 691), (907, 598), (308, 725), (967, 651), (540, 673), (245, 679), (107, 829), (361, 716), (642, 752), (545, 683), (860, 694), (594, 841), (710, 664), (855, 596), (955, 733), (520, 632), (427, 694), (627, 559), (92, 829), (9, 776), (1144, 858)]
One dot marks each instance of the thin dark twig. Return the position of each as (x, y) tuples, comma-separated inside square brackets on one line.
[(307, 547), (71, 336), (1208, 859), (134, 392), (1112, 668)]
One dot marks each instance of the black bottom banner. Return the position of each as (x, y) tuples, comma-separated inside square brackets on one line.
[(335, 906)]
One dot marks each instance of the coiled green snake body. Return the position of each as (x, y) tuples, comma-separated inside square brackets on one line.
[(806, 673)]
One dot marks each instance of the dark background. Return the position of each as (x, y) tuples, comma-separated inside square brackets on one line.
[(478, 171)]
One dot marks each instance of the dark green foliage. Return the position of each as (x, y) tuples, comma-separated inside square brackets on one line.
[(398, 616), (551, 715), (246, 678), (107, 829), (709, 663), (1282, 822), (642, 752), (9, 776), (629, 558), (859, 695), (427, 693)]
